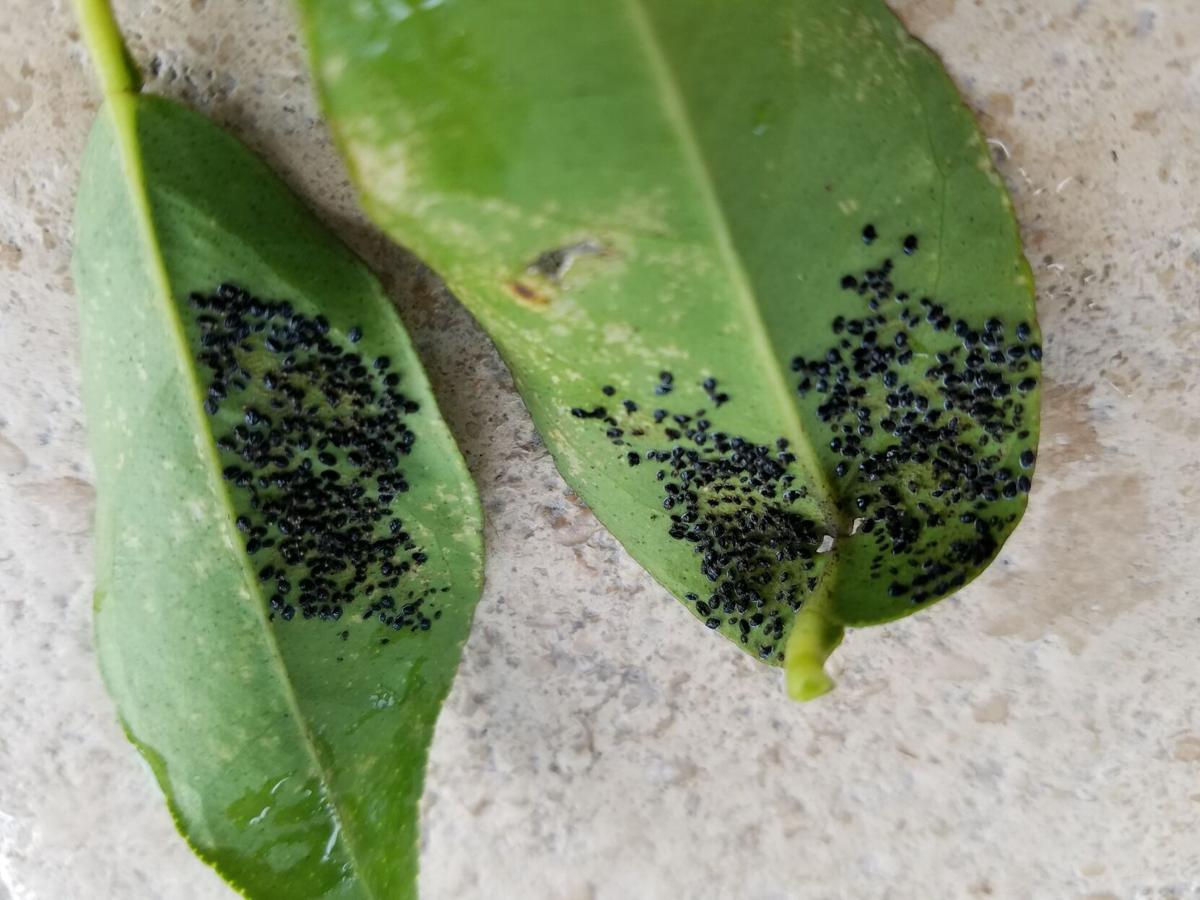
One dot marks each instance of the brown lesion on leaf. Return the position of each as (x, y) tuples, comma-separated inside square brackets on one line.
[(527, 294)]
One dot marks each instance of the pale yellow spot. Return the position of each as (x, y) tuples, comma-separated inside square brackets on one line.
[(334, 67)]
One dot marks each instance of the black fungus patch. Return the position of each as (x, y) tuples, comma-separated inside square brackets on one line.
[(311, 437), (919, 410), (733, 501), (911, 409)]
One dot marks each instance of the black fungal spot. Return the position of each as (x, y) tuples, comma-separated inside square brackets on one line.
[(311, 442), (719, 398)]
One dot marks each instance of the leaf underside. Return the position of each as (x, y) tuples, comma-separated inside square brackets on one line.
[(288, 542), (752, 270)]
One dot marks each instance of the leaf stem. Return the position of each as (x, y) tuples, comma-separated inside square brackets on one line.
[(115, 67), (813, 638)]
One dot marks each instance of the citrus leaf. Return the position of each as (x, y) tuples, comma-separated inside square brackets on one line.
[(778, 223), (288, 542)]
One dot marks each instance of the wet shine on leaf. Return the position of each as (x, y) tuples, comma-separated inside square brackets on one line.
[(288, 542), (753, 272)]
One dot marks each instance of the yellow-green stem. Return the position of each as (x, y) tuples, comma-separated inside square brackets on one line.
[(813, 638), (114, 66)]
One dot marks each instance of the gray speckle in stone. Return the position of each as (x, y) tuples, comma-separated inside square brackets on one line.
[(1038, 736)]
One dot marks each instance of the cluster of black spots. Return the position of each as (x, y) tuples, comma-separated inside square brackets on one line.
[(311, 436), (732, 500), (921, 440), (942, 430)]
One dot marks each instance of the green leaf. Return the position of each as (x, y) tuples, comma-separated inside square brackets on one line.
[(291, 748), (629, 190)]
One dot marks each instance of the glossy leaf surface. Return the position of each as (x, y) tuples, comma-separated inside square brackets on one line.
[(767, 220), (288, 729)]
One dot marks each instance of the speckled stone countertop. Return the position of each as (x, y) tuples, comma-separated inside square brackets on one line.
[(1036, 737)]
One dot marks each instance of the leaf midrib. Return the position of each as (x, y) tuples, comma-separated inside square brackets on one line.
[(676, 113), (123, 109)]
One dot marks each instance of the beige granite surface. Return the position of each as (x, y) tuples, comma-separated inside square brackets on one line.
[(1036, 737)]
